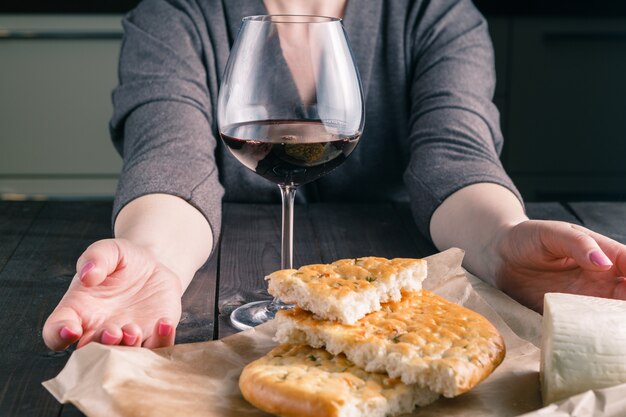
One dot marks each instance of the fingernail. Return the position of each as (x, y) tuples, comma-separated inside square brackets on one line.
[(600, 259), (108, 339), (67, 334), (165, 329), (86, 268), (129, 339)]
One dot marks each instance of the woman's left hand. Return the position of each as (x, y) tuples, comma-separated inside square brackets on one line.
[(536, 257)]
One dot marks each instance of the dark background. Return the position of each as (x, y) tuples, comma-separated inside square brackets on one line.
[(561, 88), (489, 7)]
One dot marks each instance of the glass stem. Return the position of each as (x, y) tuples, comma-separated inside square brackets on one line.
[(288, 194)]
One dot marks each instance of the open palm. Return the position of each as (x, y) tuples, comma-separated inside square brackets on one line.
[(120, 295), (549, 256)]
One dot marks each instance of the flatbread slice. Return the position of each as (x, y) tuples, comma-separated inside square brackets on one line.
[(422, 339), (348, 289), (300, 381)]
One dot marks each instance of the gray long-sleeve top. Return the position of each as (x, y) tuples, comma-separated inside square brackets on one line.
[(428, 76)]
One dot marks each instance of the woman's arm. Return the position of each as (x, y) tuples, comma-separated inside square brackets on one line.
[(454, 133), (128, 290), (167, 209), (473, 218), (461, 195), (527, 258), (174, 231), (163, 122)]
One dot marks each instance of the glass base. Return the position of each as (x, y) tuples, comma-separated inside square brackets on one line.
[(252, 314)]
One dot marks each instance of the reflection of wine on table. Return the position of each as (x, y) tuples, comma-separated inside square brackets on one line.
[(290, 152)]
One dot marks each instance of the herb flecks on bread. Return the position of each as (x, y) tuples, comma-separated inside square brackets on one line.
[(422, 339), (348, 289), (297, 380)]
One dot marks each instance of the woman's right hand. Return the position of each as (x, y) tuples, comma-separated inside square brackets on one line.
[(120, 295)]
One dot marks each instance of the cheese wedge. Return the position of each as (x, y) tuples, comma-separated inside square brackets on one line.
[(300, 381), (583, 345), (348, 289)]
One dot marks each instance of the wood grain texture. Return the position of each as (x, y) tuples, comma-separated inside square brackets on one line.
[(550, 211), (40, 269), (21, 392), (31, 283), (423, 246), (41, 241), (39, 245), (70, 410), (197, 323), (250, 245), (606, 218), (250, 250), (15, 219), (355, 230)]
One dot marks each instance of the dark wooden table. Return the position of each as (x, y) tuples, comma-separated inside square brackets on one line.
[(40, 242)]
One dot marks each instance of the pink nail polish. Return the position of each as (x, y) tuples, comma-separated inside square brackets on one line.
[(165, 329), (67, 334), (129, 339), (600, 259), (108, 339), (86, 268)]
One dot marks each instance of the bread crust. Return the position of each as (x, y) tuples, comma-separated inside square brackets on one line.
[(267, 394), (300, 381), (347, 289), (422, 339)]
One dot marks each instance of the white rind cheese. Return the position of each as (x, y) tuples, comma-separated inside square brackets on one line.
[(583, 345)]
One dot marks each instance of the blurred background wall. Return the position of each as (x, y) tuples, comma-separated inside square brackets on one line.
[(561, 67)]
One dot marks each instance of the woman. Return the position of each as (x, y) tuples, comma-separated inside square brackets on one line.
[(432, 135)]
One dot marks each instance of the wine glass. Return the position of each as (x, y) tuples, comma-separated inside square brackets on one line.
[(290, 108)]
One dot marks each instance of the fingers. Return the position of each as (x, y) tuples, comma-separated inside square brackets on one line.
[(612, 248), (98, 261), (163, 334), (88, 336), (111, 335), (128, 335), (620, 289), (62, 329), (565, 240), (132, 335)]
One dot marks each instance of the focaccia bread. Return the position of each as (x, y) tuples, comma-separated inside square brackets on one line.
[(300, 381), (348, 289), (423, 339)]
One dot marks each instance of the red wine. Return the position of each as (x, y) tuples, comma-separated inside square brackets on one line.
[(288, 152)]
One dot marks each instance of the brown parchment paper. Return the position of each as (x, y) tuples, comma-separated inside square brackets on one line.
[(200, 379)]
